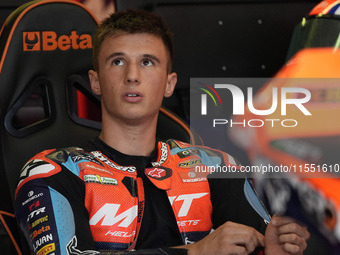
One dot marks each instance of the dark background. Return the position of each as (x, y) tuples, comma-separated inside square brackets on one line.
[(221, 38)]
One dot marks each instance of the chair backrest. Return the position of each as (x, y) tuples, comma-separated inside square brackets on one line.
[(45, 96), (45, 53)]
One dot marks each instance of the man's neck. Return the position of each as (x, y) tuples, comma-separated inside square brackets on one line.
[(137, 140)]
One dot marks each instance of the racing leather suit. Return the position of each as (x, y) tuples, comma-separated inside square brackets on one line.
[(77, 201)]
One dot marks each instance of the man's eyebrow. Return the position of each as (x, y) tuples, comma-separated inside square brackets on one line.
[(114, 54), (153, 57)]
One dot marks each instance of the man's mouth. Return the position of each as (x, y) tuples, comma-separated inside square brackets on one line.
[(133, 97)]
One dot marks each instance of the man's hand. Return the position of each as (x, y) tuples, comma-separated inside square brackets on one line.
[(284, 236), (230, 238)]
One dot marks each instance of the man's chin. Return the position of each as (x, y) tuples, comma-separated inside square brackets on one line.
[(135, 118)]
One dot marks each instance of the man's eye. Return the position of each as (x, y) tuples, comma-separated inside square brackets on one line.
[(147, 62), (117, 62)]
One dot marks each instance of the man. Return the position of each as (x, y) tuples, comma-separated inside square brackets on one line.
[(126, 190)]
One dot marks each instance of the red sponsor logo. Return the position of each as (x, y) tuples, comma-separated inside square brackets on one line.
[(156, 172), (46, 249), (34, 205)]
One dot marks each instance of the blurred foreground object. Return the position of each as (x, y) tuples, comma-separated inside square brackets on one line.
[(308, 188)]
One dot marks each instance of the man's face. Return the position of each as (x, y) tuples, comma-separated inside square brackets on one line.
[(132, 78)]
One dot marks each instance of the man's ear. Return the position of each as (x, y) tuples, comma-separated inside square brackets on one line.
[(93, 75), (171, 84)]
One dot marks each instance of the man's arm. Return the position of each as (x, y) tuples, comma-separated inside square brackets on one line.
[(50, 210), (283, 237), (230, 238), (240, 229)]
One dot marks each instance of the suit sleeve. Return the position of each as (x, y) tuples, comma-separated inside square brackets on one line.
[(230, 204), (50, 209), (233, 198)]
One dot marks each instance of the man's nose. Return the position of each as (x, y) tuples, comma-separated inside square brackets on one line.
[(132, 75)]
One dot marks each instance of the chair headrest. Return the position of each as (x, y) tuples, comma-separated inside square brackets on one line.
[(44, 38)]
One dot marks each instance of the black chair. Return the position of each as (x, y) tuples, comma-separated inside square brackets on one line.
[(45, 96)]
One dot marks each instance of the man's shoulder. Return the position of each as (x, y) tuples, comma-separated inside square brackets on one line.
[(208, 154), (57, 155), (48, 162), (182, 146)]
